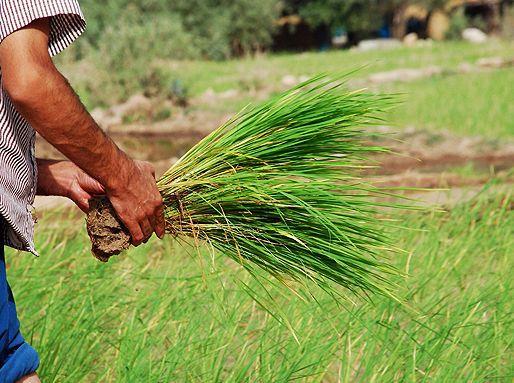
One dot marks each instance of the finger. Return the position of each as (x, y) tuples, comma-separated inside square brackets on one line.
[(156, 218), (151, 168), (90, 185), (160, 226), (146, 228), (83, 203), (95, 187), (130, 222), (135, 231), (151, 219), (136, 235)]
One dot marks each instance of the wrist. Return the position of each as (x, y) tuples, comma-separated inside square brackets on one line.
[(119, 174)]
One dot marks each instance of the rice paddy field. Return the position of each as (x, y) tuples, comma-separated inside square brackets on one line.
[(164, 312)]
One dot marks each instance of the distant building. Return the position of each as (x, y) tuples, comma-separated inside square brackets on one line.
[(296, 34), (434, 23)]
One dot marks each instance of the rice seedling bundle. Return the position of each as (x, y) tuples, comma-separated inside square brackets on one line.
[(278, 187)]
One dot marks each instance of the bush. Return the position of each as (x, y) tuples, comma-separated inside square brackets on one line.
[(211, 29), (124, 43), (125, 51), (134, 36), (458, 22), (251, 24)]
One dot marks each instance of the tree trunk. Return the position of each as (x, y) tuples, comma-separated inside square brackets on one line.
[(495, 20), (399, 22)]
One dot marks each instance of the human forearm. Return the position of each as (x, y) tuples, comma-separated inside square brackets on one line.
[(46, 100), (53, 109), (52, 179)]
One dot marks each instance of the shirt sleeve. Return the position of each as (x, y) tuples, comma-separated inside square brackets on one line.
[(66, 19)]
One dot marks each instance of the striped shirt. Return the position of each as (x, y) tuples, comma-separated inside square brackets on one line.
[(18, 170)]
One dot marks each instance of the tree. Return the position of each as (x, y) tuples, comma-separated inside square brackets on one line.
[(252, 24), (357, 15), (216, 29), (353, 15)]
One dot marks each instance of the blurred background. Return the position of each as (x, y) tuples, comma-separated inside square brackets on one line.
[(158, 75)]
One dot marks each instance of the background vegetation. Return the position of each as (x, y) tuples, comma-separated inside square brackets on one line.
[(163, 313), (126, 41), (158, 315)]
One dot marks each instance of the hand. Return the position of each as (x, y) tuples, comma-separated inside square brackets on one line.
[(134, 195), (63, 178), (32, 378)]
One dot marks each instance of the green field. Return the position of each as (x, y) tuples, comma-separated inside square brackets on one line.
[(466, 104), (164, 313), (470, 104), (161, 314), (269, 69)]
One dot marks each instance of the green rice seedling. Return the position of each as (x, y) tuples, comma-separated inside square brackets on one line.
[(277, 187)]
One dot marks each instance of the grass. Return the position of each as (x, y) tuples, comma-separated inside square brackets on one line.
[(278, 187), (472, 104), (476, 103), (270, 69), (158, 315)]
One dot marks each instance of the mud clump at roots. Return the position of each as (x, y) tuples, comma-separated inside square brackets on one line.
[(108, 235)]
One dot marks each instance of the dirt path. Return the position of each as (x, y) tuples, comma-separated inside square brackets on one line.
[(421, 160)]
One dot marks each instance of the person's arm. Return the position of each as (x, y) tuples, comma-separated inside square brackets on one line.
[(44, 97)]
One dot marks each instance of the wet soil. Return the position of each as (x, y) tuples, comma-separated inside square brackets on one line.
[(108, 235)]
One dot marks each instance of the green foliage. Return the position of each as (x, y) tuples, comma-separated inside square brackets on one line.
[(213, 29), (458, 22), (132, 36), (277, 187), (251, 24), (124, 40), (158, 315), (130, 44), (207, 21), (178, 93), (354, 15)]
